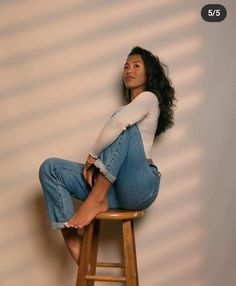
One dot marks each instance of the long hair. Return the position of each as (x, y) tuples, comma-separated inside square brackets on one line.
[(157, 81)]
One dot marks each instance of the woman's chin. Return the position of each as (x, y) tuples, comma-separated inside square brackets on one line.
[(129, 86)]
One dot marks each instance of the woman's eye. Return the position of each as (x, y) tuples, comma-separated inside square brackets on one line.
[(136, 66)]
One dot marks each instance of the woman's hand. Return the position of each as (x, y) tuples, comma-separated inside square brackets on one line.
[(90, 171)]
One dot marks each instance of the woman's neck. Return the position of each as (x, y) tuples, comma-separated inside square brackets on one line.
[(136, 92)]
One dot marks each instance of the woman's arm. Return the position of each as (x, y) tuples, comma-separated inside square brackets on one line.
[(127, 116)]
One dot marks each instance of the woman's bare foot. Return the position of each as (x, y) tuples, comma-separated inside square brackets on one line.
[(73, 240), (89, 209), (95, 203)]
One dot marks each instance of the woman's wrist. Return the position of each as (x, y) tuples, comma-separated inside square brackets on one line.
[(91, 159), (92, 156)]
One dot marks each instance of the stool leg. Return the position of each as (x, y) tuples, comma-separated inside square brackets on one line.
[(135, 254), (85, 254), (131, 268), (94, 251)]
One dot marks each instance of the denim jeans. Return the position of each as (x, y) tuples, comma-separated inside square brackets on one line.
[(135, 182)]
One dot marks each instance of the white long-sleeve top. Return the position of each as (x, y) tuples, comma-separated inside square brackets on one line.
[(143, 110)]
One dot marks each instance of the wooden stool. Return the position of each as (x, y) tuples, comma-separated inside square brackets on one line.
[(89, 250)]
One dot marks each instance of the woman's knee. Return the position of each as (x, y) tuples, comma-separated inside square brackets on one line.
[(47, 167)]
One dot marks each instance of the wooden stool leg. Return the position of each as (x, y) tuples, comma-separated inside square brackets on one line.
[(130, 253), (85, 254), (135, 254), (94, 251)]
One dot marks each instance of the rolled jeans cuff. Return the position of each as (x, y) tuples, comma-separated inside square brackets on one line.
[(57, 225), (103, 170)]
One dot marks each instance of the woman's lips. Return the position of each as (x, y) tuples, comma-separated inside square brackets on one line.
[(129, 77)]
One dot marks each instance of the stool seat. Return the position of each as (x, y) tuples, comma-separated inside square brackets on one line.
[(115, 214), (89, 250)]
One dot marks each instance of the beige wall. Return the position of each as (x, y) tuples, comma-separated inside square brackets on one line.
[(60, 67)]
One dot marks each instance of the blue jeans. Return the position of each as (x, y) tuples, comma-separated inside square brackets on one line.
[(135, 182)]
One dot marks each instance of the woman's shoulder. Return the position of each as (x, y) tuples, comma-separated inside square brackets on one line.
[(148, 94)]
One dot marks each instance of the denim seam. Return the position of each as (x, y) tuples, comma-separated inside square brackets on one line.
[(69, 170), (60, 199), (103, 169), (58, 185), (115, 152)]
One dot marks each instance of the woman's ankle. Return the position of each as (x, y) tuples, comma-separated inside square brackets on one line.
[(100, 188)]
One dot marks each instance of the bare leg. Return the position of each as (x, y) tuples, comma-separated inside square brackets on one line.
[(95, 203), (72, 240)]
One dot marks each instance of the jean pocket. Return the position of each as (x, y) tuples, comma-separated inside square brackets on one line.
[(145, 204), (156, 170)]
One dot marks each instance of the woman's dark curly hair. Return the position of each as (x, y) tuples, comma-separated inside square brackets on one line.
[(158, 83)]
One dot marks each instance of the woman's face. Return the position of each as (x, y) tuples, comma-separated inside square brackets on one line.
[(134, 74)]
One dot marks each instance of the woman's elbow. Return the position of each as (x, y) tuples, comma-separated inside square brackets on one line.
[(119, 124)]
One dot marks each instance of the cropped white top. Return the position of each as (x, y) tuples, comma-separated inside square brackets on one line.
[(143, 110)]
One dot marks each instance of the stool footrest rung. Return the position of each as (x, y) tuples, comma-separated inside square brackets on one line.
[(110, 264), (106, 278)]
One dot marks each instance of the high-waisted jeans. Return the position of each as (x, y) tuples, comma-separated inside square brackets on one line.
[(135, 182)]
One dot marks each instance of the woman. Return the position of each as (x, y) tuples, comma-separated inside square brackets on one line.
[(119, 172)]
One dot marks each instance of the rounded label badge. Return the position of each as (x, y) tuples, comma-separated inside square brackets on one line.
[(213, 12)]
